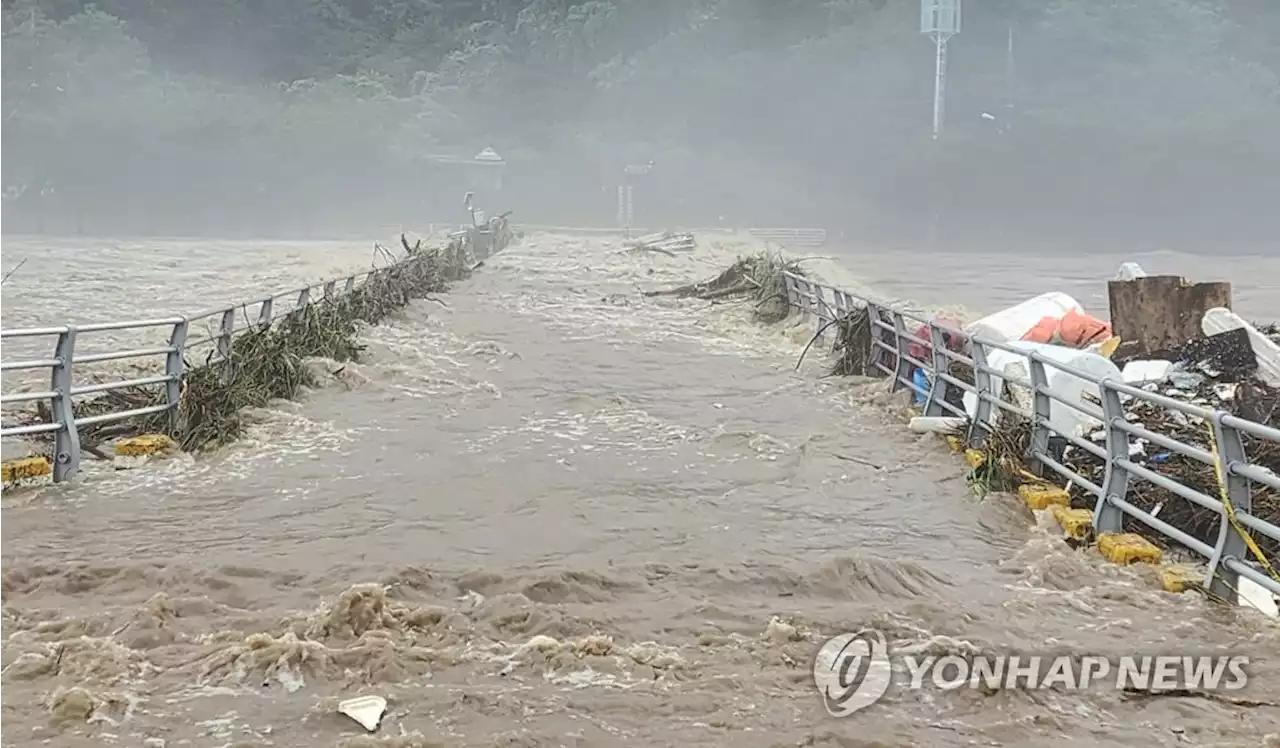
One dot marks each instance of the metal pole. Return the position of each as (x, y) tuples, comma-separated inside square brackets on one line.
[(630, 211), (939, 83)]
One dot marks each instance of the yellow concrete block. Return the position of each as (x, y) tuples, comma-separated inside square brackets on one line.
[(1127, 548), (147, 444), (1180, 579), (24, 469), (975, 458), (956, 443), (1039, 496), (1076, 523)]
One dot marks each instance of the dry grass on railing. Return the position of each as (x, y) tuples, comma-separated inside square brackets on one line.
[(853, 349), (1006, 448), (1197, 521), (269, 364), (758, 278)]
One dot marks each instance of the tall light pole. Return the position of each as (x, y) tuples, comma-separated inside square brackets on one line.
[(626, 211), (940, 19)]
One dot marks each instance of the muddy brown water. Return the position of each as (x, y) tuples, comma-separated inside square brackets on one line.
[(545, 453)]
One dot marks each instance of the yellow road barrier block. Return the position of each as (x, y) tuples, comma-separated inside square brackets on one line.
[(147, 444), (1076, 523), (975, 458), (24, 469), (1038, 497), (1180, 579), (955, 443), (1127, 548)]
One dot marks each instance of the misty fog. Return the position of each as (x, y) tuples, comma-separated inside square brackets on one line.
[(1135, 123)]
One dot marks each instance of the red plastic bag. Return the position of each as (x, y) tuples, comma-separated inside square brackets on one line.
[(921, 346)]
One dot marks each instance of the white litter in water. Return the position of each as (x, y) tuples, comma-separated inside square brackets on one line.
[(367, 710)]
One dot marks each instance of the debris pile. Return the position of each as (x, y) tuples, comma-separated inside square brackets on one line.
[(1222, 363), (758, 278), (665, 243), (1214, 373)]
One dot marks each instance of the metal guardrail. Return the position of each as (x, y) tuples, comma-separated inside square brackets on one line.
[(792, 237), (1227, 559), (224, 324)]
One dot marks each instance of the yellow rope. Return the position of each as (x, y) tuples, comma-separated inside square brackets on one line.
[(1230, 509)]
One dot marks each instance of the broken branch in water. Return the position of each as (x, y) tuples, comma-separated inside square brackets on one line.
[(385, 253), (816, 335), (858, 460), (11, 272)]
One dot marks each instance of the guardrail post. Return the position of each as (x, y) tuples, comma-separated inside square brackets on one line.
[(901, 366), (876, 356), (266, 312), (350, 286), (820, 310), (793, 293), (329, 288), (66, 440), (304, 298), (1107, 517), (1041, 406), (980, 426), (939, 388), (225, 331), (174, 368), (1221, 580)]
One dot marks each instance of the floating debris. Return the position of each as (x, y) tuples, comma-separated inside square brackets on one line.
[(367, 710)]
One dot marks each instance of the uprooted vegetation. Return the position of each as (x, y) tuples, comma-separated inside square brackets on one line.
[(757, 278)]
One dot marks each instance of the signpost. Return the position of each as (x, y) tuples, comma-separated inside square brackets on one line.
[(940, 19), (626, 191)]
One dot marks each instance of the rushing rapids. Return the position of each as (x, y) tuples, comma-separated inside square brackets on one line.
[(559, 512)]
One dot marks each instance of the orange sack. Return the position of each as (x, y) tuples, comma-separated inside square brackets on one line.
[(1075, 330)]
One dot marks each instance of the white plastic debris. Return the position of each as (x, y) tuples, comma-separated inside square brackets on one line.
[(1064, 419), (1130, 271), (1141, 372), (1254, 595), (367, 710), (937, 424), (1014, 322), (1221, 319)]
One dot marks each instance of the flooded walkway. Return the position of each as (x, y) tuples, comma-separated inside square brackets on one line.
[(554, 512)]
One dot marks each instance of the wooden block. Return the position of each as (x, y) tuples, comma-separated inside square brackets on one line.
[(1076, 523), (1161, 312), (1039, 497), (25, 468), (1180, 579), (147, 444), (1127, 548)]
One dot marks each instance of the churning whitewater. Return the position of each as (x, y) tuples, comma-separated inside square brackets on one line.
[(546, 510)]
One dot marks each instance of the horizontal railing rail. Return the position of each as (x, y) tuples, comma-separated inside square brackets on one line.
[(791, 237), (1234, 553)]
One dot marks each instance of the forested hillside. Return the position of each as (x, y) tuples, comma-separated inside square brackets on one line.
[(1135, 121)]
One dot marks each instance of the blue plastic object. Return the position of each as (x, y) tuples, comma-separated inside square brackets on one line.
[(921, 380)]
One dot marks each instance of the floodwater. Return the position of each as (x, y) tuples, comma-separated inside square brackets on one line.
[(548, 511)]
